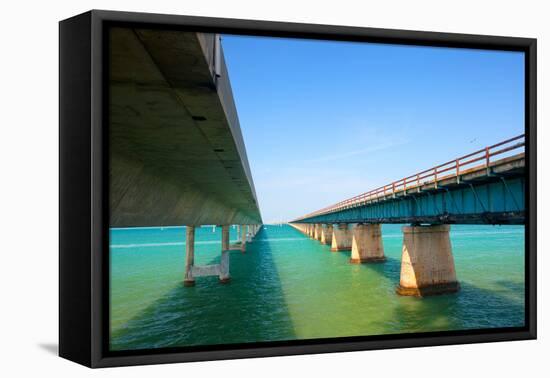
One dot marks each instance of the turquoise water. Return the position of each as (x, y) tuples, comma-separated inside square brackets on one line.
[(287, 286)]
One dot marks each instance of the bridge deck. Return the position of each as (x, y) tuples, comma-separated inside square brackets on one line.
[(460, 191), (177, 155)]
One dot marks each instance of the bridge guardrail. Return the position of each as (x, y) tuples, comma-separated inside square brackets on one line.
[(452, 168)]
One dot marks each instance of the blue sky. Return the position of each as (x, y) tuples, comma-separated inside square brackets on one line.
[(323, 121)]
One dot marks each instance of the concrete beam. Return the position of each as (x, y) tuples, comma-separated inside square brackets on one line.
[(177, 155)]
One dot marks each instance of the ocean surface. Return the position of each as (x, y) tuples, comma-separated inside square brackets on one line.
[(287, 286)]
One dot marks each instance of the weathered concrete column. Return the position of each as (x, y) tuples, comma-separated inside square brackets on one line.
[(341, 238), (248, 233), (224, 262), (427, 264), (317, 231), (366, 245), (225, 238), (188, 279), (326, 234), (243, 238)]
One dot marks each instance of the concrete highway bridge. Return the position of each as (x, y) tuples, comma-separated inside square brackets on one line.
[(483, 187), (176, 152), (177, 157)]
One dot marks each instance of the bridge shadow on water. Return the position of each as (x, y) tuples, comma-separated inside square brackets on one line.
[(477, 305), (321, 290), (251, 308), (472, 307)]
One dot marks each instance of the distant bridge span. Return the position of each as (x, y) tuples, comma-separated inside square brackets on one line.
[(484, 187), (473, 189)]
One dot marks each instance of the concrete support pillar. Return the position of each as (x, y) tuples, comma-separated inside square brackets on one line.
[(366, 245), (326, 234), (427, 264), (243, 238), (188, 279), (224, 263), (225, 238), (341, 238), (317, 231)]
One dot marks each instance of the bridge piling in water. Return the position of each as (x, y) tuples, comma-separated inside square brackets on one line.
[(317, 231), (225, 238), (427, 263), (224, 276), (367, 244), (248, 233), (189, 280), (341, 238), (193, 271), (326, 234), (483, 187), (243, 237)]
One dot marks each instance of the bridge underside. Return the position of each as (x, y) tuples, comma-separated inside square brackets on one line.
[(494, 196), (176, 153)]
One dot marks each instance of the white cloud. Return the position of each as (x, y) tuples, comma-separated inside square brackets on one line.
[(361, 151)]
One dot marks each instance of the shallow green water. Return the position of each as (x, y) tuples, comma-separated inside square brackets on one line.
[(288, 286)]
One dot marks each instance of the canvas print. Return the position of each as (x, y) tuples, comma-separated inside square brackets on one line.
[(267, 189)]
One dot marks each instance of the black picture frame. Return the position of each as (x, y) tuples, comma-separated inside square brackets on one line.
[(83, 179)]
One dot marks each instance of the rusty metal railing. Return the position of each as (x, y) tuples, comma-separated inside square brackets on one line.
[(453, 168)]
